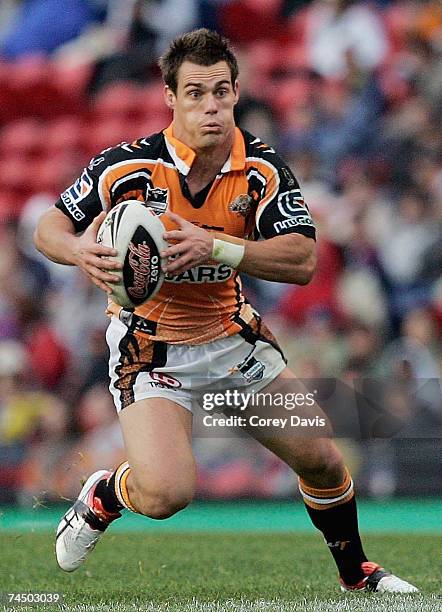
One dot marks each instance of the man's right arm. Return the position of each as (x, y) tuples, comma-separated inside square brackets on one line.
[(57, 239)]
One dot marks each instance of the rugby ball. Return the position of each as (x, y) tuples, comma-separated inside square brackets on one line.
[(136, 232)]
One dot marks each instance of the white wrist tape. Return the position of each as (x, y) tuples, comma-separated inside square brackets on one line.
[(226, 252)]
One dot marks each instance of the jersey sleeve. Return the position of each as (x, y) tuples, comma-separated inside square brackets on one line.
[(282, 209), (81, 202)]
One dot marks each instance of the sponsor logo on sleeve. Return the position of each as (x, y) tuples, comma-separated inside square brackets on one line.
[(291, 202), (280, 226), (287, 175), (292, 206), (76, 193), (95, 161)]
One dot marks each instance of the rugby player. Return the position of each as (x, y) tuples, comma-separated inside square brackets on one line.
[(221, 190)]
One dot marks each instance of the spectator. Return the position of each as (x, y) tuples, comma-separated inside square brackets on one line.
[(364, 140), (401, 251), (43, 465), (344, 35)]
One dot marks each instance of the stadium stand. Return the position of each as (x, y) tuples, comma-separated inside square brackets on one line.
[(363, 136)]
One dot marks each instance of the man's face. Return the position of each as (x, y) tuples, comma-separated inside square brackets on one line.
[(203, 105)]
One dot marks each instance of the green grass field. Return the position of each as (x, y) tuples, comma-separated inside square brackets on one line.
[(215, 571)]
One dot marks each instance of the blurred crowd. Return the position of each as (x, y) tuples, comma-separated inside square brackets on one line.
[(350, 92)]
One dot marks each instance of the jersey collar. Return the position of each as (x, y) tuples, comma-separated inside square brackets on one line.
[(183, 156)]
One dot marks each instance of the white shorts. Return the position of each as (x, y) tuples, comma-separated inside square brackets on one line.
[(140, 367)]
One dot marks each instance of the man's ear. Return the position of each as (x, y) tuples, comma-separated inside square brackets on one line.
[(169, 97), (236, 90)]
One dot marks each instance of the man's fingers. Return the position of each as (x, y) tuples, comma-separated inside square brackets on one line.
[(96, 270), (106, 276), (98, 220), (176, 249), (100, 284), (101, 262), (179, 265), (103, 251), (173, 235), (103, 276), (100, 258), (93, 228), (106, 264), (97, 281)]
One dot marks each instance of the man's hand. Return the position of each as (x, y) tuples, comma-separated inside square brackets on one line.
[(90, 256), (191, 245)]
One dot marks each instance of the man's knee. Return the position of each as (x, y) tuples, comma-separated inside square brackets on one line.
[(162, 501), (325, 465), (162, 505)]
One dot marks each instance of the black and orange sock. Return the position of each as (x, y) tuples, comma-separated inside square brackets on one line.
[(333, 511), (113, 491), (105, 491)]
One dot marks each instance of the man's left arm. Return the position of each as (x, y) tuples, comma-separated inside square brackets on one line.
[(284, 259), (290, 258), (287, 252)]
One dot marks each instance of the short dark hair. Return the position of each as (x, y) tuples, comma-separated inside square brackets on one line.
[(203, 47)]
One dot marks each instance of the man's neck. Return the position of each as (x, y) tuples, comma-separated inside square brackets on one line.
[(207, 164)]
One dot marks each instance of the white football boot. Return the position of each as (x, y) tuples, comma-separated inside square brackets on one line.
[(379, 580), (81, 527)]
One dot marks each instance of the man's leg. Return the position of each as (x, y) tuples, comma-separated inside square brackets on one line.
[(157, 481), (157, 437), (327, 490)]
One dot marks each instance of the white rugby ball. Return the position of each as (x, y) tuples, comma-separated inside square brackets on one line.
[(136, 232)]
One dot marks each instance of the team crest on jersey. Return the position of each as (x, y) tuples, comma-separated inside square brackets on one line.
[(157, 199), (241, 205)]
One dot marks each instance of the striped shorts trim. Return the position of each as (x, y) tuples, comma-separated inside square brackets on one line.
[(140, 368)]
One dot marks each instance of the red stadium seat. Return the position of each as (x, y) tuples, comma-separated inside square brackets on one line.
[(152, 100), (242, 20), (111, 132), (14, 178), (297, 25), (122, 100), (9, 110), (70, 84), (50, 175), (286, 94), (64, 135), (10, 205), (22, 138), (264, 56), (151, 124), (31, 85), (105, 134), (23, 178), (296, 57)]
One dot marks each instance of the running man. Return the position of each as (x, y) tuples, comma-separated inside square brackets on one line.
[(221, 190)]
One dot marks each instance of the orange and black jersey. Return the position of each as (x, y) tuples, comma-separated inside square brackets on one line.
[(255, 195)]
